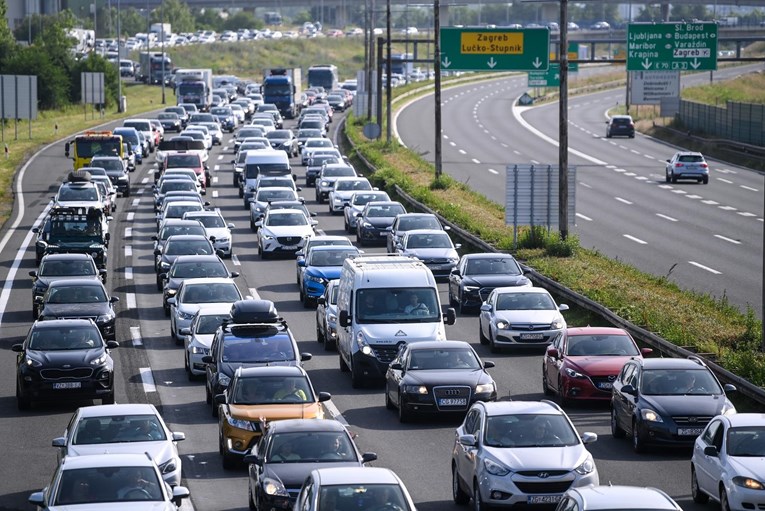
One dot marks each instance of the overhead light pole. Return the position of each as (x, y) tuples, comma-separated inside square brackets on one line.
[(119, 58), (162, 44)]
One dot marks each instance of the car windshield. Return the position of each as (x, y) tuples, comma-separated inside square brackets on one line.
[(493, 266), (330, 257), (195, 270), (274, 182), (172, 230), (362, 496), (167, 116), (76, 294), (308, 133), (428, 241), (211, 293), (394, 305), (360, 199), (319, 143), (691, 158), (66, 268), (177, 211), (117, 429), (184, 160), (279, 134), (418, 222), (108, 484), (338, 172), (188, 247), (176, 185), (72, 338), (442, 358), (211, 221), (272, 390), (258, 345), (601, 345), (524, 301), (310, 447), (678, 382), (529, 430), (108, 164), (353, 185), (746, 441), (285, 219), (209, 323), (385, 211), (86, 194), (269, 194)]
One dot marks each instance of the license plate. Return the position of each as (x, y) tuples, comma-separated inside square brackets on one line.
[(543, 499), (291, 247), (605, 385), (383, 234), (689, 431), (532, 337), (67, 385), (457, 401)]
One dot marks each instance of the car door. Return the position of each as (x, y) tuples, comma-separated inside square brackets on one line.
[(464, 455), (211, 369), (618, 397), (709, 468), (394, 376), (552, 365), (390, 240), (630, 402), (485, 316), (455, 279)]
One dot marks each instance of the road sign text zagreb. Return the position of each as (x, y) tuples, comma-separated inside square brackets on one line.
[(499, 43), (672, 47), (494, 49)]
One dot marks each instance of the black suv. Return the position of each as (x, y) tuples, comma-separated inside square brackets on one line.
[(73, 229), (64, 359), (80, 298), (255, 336), (620, 126), (62, 267), (666, 401)]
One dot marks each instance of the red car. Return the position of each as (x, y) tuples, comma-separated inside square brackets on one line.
[(583, 363), (189, 160)]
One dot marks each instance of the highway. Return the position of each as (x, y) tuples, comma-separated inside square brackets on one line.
[(150, 366), (704, 238)]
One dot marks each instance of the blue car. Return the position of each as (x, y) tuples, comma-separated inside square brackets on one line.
[(130, 135), (323, 264)]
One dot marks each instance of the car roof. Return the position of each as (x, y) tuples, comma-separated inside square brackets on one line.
[(595, 330), (410, 215), (209, 280), (56, 324), (746, 419), (429, 345), (188, 237), (521, 407), (112, 460), (174, 222), (289, 425), (333, 248), (355, 475), (71, 256), (604, 497), (488, 255), (437, 232), (670, 363), (521, 289), (254, 372), (202, 258), (206, 212), (118, 409), (688, 153), (213, 309), (329, 237), (76, 282)]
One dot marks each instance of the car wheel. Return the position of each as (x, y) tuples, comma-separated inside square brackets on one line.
[(563, 400), (330, 208), (319, 335), (356, 381), (458, 494), (461, 309), (724, 503), (178, 340), (347, 226), (35, 314), (705, 180), (187, 367), (241, 193), (214, 409), (616, 430), (492, 345), (208, 395), (667, 179), (22, 402), (451, 298), (329, 344), (482, 338), (307, 302), (545, 387), (108, 400), (638, 444), (343, 365), (159, 283), (359, 240), (250, 499), (478, 504), (674, 178), (388, 403), (318, 198), (228, 460), (167, 310), (127, 193), (404, 415), (699, 496)]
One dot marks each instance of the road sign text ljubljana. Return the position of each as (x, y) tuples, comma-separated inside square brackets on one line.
[(672, 47)]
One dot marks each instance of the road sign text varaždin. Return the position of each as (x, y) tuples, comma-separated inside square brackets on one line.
[(671, 46)]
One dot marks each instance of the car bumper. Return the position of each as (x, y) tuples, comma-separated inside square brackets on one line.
[(586, 389), (323, 193), (666, 433), (196, 366), (313, 289), (743, 498), (239, 441), (276, 501), (338, 205), (369, 366), (372, 234), (224, 246), (526, 338), (180, 324), (100, 386), (440, 270), (519, 490), (429, 404), (691, 174), (274, 246)]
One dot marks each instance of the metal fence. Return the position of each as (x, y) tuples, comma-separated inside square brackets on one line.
[(740, 122)]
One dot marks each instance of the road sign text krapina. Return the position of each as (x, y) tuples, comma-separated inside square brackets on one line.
[(495, 49), (672, 47)]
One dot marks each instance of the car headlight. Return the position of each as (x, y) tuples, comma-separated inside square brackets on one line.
[(337, 200), (332, 318), (221, 240), (484, 388), (104, 318), (200, 350), (367, 225), (416, 389), (650, 415), (185, 315), (495, 468), (267, 236), (123, 178), (363, 345), (324, 183), (312, 278), (558, 323), (572, 374), (223, 380), (748, 483), (169, 466), (453, 260), (171, 292), (274, 487), (164, 265), (470, 289), (240, 424), (32, 362), (503, 325), (586, 467)]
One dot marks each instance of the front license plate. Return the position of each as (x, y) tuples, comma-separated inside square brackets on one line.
[(532, 337), (689, 431), (544, 499), (295, 247), (68, 385), (605, 385), (461, 401)]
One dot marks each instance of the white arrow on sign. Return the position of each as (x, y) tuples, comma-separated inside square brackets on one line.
[(537, 63), (646, 64), (491, 63), (446, 62), (557, 76), (695, 64)]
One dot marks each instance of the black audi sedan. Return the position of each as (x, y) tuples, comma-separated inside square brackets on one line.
[(476, 275), (433, 377), (64, 360), (80, 298)]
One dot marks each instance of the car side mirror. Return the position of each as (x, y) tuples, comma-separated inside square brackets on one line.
[(177, 436), (171, 301), (667, 161), (488, 364), (33, 273), (344, 318), (108, 235), (157, 252), (455, 272), (711, 450), (729, 388), (179, 493), (220, 399), (588, 437), (397, 366), (324, 396), (185, 331), (207, 359), (646, 351), (451, 316), (447, 228), (485, 307), (457, 246), (305, 357), (252, 459), (301, 263), (552, 352), (563, 307), (321, 300), (368, 456), (112, 345), (59, 442), (629, 389), (114, 299), (468, 440)]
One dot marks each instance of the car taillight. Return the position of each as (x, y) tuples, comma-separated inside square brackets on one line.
[(678, 164), (704, 165)]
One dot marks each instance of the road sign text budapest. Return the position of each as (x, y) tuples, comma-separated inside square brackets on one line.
[(496, 49), (672, 47)]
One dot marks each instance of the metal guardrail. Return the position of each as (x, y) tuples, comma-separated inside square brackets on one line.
[(744, 386)]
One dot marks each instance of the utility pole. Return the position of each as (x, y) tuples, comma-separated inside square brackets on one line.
[(162, 44), (388, 102), (563, 129), (437, 71), (119, 57), (370, 88)]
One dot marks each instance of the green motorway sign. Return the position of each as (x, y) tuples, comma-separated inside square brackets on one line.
[(672, 47), (494, 49), (548, 78)]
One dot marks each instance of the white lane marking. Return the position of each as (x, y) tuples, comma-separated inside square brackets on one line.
[(665, 217), (634, 152), (128, 251), (624, 201), (516, 152), (453, 143), (462, 151), (130, 216), (727, 208), (135, 335), (535, 162), (128, 232), (335, 413), (724, 238), (710, 202), (707, 268), (446, 137), (641, 178), (136, 202), (220, 157), (610, 166), (749, 188), (254, 293), (746, 214), (130, 302), (585, 185), (140, 192), (225, 148), (579, 215), (216, 168), (148, 379), (215, 194), (620, 170), (493, 171), (144, 180), (476, 161), (630, 174), (235, 260), (128, 273), (679, 192), (636, 240), (693, 196), (725, 181)]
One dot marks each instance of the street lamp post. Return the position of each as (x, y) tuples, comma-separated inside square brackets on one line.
[(119, 58), (162, 44)]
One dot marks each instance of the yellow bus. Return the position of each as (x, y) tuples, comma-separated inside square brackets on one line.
[(93, 143)]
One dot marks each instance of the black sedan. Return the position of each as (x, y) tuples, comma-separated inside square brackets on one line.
[(64, 359), (288, 452), (433, 377), (477, 275), (178, 245), (62, 267), (170, 121), (191, 267), (80, 298), (283, 140), (375, 220)]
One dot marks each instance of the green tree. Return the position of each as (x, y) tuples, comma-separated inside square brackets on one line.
[(7, 41), (299, 18), (176, 13), (132, 22), (208, 19), (689, 12), (239, 20), (649, 13), (94, 64), (52, 80)]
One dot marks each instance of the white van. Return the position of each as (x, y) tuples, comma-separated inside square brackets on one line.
[(272, 162), (145, 127), (382, 302)]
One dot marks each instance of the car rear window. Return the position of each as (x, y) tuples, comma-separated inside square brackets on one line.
[(691, 158), (622, 121)]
